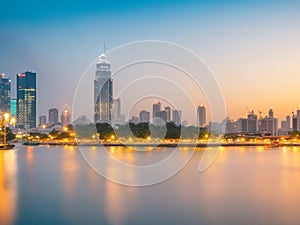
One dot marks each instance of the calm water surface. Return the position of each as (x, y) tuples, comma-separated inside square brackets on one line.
[(245, 185)]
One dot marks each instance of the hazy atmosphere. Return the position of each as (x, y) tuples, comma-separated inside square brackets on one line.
[(252, 47)]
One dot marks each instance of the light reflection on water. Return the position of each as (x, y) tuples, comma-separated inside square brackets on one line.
[(8, 186), (54, 185)]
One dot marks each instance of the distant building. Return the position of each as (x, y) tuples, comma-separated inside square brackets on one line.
[(144, 116), (66, 117), (168, 114), (230, 126), (201, 116), (176, 117), (162, 115), (241, 126), (268, 126), (5, 91), (156, 107), (252, 122), (134, 119), (285, 126), (116, 111), (288, 122), (42, 120), (215, 127), (82, 120), (294, 122), (26, 100), (13, 107), (53, 116), (103, 91), (298, 120)]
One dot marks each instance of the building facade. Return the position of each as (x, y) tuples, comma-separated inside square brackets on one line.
[(53, 116), (42, 120), (201, 116), (13, 107), (26, 100), (103, 91), (156, 107), (144, 116), (116, 111), (66, 117), (5, 92), (176, 117)]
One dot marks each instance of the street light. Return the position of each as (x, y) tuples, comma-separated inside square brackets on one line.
[(44, 126), (5, 118)]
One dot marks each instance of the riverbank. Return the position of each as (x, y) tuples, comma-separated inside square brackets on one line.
[(182, 144)]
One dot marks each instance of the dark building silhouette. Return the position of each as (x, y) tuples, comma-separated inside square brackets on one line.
[(26, 100), (5, 90)]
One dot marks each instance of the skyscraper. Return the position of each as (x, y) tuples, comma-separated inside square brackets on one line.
[(53, 116), (176, 117), (252, 122), (298, 120), (155, 109), (168, 112), (42, 120), (66, 117), (26, 100), (13, 107), (201, 116), (117, 111), (103, 91), (144, 116), (294, 122), (5, 86)]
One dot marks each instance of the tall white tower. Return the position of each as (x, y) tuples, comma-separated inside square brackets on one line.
[(103, 91)]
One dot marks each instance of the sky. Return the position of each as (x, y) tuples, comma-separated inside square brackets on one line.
[(252, 47)]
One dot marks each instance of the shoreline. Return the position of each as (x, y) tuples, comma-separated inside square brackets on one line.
[(171, 145)]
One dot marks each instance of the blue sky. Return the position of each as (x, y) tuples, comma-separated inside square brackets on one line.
[(250, 45)]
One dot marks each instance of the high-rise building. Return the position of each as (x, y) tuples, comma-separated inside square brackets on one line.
[(168, 113), (288, 123), (5, 87), (162, 115), (252, 122), (53, 116), (66, 117), (42, 120), (103, 91), (26, 100), (201, 116), (116, 111), (294, 122), (231, 127), (268, 125), (144, 116), (298, 120), (242, 125), (176, 117), (13, 107), (155, 109)]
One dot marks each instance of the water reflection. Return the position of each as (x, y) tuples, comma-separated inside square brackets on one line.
[(56, 186), (8, 187)]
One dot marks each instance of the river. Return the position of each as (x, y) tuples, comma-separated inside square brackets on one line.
[(244, 185)]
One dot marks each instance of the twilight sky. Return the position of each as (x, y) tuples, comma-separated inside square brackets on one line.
[(253, 47)]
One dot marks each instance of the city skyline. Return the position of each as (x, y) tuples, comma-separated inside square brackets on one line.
[(252, 47)]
